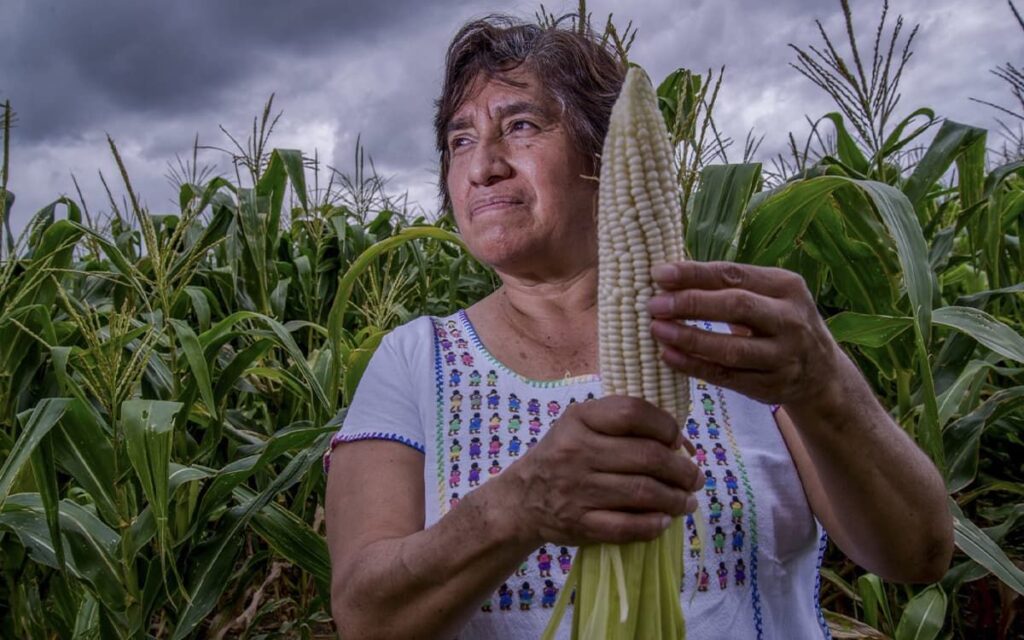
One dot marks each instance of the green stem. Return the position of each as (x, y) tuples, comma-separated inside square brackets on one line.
[(903, 397)]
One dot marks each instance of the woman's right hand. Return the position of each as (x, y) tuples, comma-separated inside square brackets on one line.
[(608, 470)]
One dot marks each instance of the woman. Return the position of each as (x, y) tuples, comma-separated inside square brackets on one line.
[(418, 551)]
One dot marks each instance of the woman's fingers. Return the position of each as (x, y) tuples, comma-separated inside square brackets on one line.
[(763, 314), (739, 352), (691, 274), (619, 527), (647, 457), (624, 416), (636, 494)]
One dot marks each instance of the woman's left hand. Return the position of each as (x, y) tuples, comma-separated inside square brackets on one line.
[(789, 355)]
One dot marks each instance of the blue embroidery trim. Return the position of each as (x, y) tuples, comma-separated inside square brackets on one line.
[(755, 593), (439, 409), (338, 438), (377, 435), (822, 543)]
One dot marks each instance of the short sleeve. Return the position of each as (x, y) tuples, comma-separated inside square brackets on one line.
[(384, 405)]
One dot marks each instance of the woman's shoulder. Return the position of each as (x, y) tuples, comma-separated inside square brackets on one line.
[(417, 335)]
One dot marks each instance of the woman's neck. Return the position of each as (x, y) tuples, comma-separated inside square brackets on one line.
[(538, 305)]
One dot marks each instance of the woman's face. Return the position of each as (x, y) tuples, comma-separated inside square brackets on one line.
[(516, 183)]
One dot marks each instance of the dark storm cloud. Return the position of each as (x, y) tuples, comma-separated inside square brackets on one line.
[(65, 65), (154, 74)]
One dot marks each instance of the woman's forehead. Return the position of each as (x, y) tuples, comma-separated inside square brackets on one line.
[(512, 93)]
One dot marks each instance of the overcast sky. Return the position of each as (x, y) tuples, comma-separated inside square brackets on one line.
[(155, 74)]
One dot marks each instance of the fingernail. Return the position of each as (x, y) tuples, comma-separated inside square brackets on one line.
[(659, 305), (663, 271), (691, 503), (666, 521)]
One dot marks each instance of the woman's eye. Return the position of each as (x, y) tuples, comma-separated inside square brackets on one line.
[(522, 125), (458, 142)]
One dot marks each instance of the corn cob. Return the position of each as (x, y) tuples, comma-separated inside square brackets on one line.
[(632, 591)]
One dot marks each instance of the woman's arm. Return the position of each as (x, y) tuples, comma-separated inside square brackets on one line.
[(609, 470), (390, 577), (878, 495)]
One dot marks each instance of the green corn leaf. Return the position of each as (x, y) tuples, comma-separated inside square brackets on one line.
[(158, 375), (44, 471), (145, 526), (862, 223), (284, 165), (854, 273), (293, 164), (849, 152), (213, 233), (132, 276), (962, 437), (951, 140), (290, 537), (37, 422), (336, 317), (724, 193), (55, 251), (279, 296), (923, 616), (93, 545), (239, 365), (952, 397), (980, 299), (872, 593), (865, 329), (984, 328), (996, 177), (222, 329), (23, 515), (294, 437), (898, 215), (983, 550), (200, 306), (149, 429), (970, 164), (196, 362), (894, 142), (82, 447), (90, 545), (841, 584), (280, 375), (773, 223), (842, 626), (215, 559)]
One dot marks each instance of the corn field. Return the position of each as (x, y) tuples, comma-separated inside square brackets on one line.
[(169, 381)]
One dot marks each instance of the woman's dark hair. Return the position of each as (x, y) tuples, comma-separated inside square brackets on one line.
[(575, 69)]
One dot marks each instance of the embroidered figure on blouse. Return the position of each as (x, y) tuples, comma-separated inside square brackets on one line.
[(525, 597), (504, 597), (549, 595), (544, 563), (737, 538)]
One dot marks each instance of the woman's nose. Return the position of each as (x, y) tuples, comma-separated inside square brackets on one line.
[(489, 164)]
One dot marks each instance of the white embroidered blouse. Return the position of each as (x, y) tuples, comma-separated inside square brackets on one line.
[(432, 385)]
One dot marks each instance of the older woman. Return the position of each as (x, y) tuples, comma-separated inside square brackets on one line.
[(478, 451)]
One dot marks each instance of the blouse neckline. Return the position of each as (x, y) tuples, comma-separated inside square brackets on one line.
[(544, 384)]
